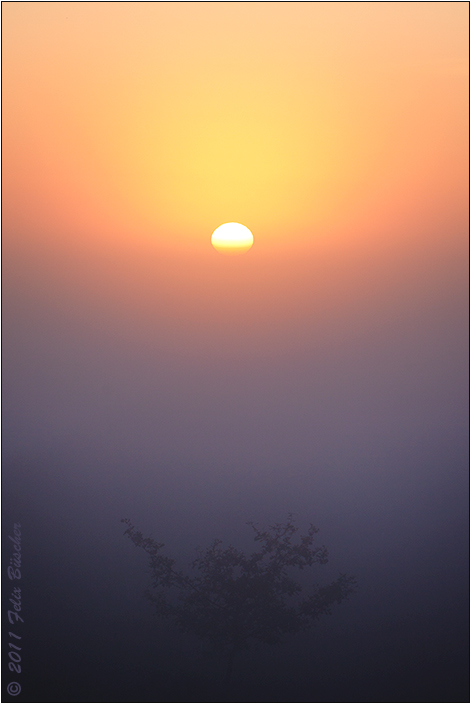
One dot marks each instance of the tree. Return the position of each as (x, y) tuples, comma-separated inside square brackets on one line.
[(233, 598)]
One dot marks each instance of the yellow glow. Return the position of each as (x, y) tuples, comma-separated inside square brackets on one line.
[(307, 120), (232, 238)]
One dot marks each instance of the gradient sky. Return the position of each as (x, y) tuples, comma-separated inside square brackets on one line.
[(324, 372)]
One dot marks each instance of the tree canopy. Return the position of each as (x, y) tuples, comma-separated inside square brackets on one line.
[(233, 598)]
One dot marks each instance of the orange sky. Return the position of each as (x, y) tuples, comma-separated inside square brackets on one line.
[(166, 119), (337, 132)]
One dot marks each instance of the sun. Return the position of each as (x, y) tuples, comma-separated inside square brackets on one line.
[(232, 238)]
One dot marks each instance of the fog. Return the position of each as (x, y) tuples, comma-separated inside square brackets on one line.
[(323, 374), (357, 423)]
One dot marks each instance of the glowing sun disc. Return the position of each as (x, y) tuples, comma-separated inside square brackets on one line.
[(232, 238)]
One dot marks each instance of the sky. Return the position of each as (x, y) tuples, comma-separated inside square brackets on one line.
[(322, 373)]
